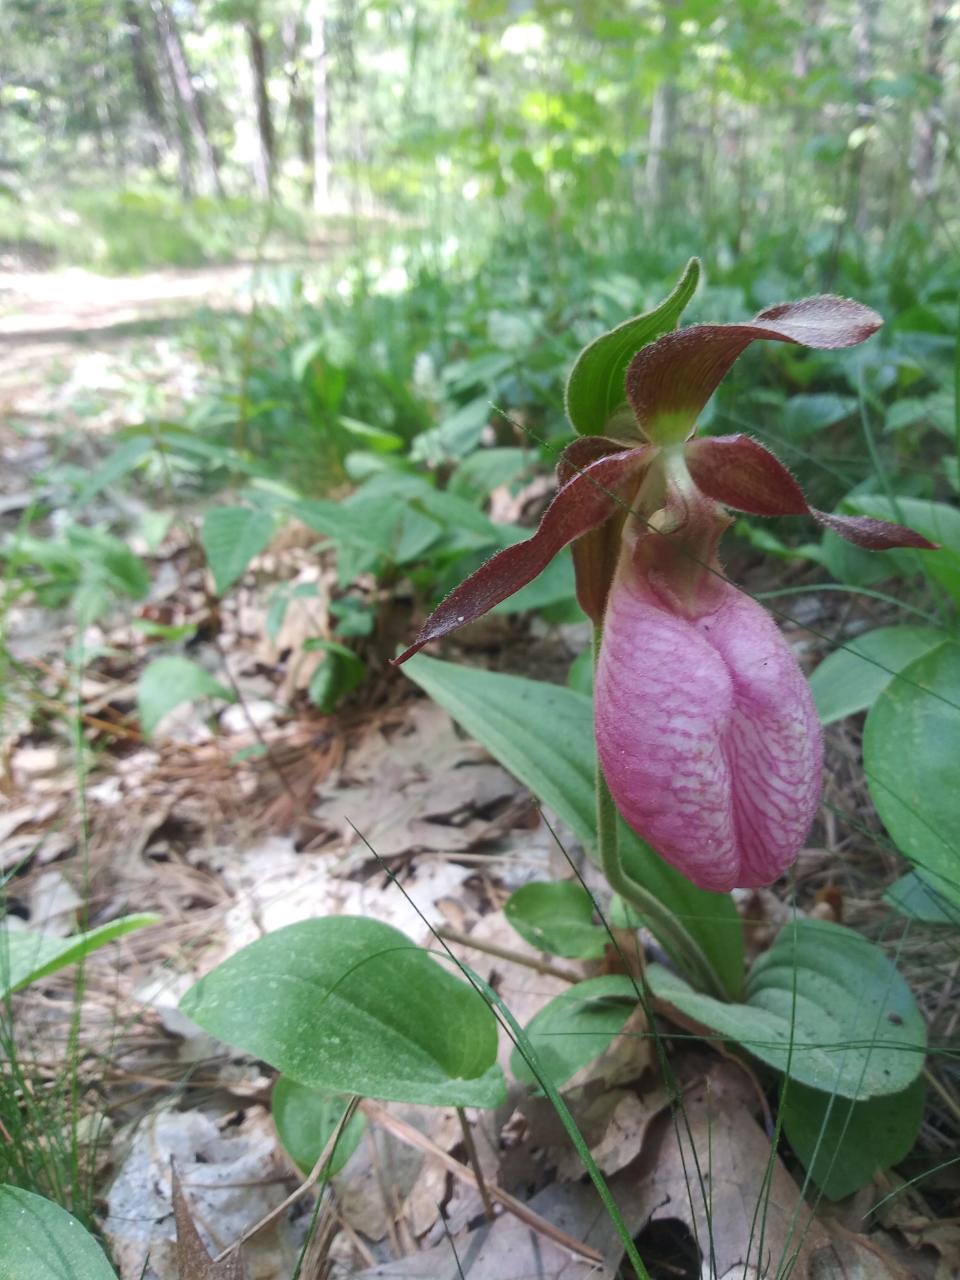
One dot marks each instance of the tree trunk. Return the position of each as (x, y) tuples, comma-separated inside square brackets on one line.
[(145, 76), (931, 117), (663, 118), (864, 40), (266, 138), (301, 110), (182, 81), (321, 111)]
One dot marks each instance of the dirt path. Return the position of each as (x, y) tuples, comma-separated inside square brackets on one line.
[(49, 320), (49, 305)]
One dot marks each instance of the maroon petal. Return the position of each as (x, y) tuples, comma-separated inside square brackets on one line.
[(873, 535), (740, 473), (581, 452), (669, 382), (583, 503)]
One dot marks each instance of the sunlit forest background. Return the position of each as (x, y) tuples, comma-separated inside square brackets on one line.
[(139, 132), (289, 294)]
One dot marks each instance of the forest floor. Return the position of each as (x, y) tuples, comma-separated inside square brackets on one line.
[(236, 823)]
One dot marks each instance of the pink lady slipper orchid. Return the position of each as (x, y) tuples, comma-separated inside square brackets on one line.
[(705, 725)]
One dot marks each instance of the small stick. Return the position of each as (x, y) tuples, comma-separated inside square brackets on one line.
[(505, 953), (407, 1133), (475, 1163), (316, 1173)]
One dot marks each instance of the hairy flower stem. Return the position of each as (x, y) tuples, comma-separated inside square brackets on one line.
[(663, 923)]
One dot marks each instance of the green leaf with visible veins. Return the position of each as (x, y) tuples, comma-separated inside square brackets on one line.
[(351, 1005)]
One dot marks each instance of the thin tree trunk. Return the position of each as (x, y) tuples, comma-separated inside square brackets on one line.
[(300, 105), (663, 118), (864, 41), (266, 138), (145, 76), (316, 18), (931, 117), (182, 81)]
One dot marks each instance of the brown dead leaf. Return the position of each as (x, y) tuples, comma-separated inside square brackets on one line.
[(623, 1119), (193, 1260), (856, 1257), (709, 1169), (418, 787)]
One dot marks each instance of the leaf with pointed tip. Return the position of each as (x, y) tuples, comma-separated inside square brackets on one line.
[(583, 503), (741, 473), (231, 537), (27, 957), (595, 388), (193, 1260), (350, 1004), (670, 381)]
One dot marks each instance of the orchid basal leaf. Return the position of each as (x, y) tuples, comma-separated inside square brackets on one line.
[(740, 473), (669, 382), (583, 503)]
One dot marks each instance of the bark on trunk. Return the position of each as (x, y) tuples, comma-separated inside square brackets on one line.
[(864, 40), (144, 73), (931, 117), (301, 109), (663, 118), (321, 143), (266, 138), (182, 81)]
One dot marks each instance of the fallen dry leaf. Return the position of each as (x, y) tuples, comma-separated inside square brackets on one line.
[(712, 1168), (193, 1260)]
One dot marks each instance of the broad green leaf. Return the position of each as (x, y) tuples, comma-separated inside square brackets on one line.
[(823, 1005), (843, 1144), (924, 897), (852, 678), (576, 1026), (543, 734), (305, 1119), (41, 1241), (25, 956), (231, 537), (911, 746), (558, 917), (804, 415), (595, 391), (167, 682), (351, 1005)]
